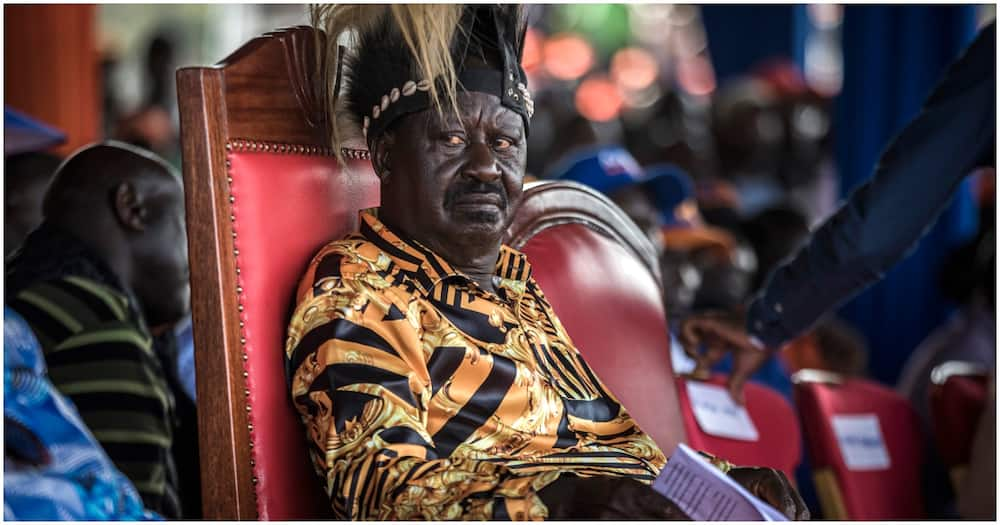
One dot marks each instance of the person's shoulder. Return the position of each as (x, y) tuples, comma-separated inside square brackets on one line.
[(65, 306), (353, 259)]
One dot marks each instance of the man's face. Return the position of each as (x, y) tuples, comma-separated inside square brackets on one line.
[(455, 181), (161, 264)]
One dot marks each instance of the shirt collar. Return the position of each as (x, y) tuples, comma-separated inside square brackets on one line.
[(512, 267)]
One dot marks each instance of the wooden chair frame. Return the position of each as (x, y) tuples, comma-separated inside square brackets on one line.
[(550, 203), (247, 100)]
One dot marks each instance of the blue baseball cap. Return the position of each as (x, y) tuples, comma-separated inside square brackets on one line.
[(22, 134), (671, 186), (607, 169)]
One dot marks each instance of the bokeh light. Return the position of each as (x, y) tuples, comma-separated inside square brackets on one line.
[(598, 99), (532, 57), (634, 68), (695, 75), (567, 56)]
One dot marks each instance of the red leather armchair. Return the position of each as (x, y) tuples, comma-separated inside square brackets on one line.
[(601, 275), (263, 195)]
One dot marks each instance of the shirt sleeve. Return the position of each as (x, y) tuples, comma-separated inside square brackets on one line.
[(884, 218), (359, 380)]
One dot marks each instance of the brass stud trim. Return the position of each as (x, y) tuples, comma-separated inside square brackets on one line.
[(355, 154), (243, 145)]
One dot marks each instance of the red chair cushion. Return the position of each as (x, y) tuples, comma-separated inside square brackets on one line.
[(286, 207), (611, 307), (893, 493), (956, 408), (779, 444)]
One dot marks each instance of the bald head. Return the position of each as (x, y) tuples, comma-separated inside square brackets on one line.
[(94, 172), (127, 205)]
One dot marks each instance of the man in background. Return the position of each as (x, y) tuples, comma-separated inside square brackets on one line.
[(27, 171), (104, 273), (26, 175)]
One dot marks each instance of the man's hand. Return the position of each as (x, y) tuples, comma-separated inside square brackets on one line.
[(604, 498), (718, 335), (773, 487)]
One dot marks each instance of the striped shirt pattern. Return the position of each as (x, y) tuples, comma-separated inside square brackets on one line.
[(100, 355), (425, 396)]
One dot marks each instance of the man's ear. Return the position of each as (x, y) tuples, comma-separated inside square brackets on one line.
[(129, 207), (380, 157)]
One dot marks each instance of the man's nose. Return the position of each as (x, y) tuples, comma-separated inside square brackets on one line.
[(481, 165)]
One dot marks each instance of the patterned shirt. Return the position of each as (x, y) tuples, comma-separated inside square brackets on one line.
[(425, 396)]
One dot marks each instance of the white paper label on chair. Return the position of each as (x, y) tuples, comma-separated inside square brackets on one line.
[(682, 363), (718, 415), (861, 443)]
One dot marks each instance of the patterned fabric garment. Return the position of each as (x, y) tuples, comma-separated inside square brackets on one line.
[(101, 356), (53, 467), (426, 397)]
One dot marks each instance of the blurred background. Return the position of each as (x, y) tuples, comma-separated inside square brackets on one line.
[(775, 112)]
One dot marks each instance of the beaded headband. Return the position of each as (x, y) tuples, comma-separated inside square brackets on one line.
[(382, 83)]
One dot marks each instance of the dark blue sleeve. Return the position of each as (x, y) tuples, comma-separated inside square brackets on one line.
[(883, 219)]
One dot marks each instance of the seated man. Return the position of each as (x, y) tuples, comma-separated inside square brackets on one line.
[(105, 269), (433, 377), (27, 171)]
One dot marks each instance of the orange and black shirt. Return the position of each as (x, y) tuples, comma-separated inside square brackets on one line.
[(425, 396)]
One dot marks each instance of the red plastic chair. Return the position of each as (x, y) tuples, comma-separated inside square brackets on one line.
[(845, 494), (601, 275), (779, 442), (957, 400), (263, 195)]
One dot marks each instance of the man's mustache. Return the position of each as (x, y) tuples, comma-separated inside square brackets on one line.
[(462, 188)]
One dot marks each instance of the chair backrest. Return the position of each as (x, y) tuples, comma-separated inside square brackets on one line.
[(957, 400), (779, 436), (601, 275), (263, 195), (879, 476)]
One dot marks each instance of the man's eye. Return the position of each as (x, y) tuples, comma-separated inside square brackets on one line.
[(502, 144), (455, 140)]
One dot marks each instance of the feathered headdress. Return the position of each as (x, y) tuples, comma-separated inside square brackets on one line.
[(386, 61)]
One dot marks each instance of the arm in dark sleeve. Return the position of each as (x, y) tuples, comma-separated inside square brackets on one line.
[(884, 218)]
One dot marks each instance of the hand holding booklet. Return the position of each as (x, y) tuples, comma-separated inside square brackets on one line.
[(704, 493)]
